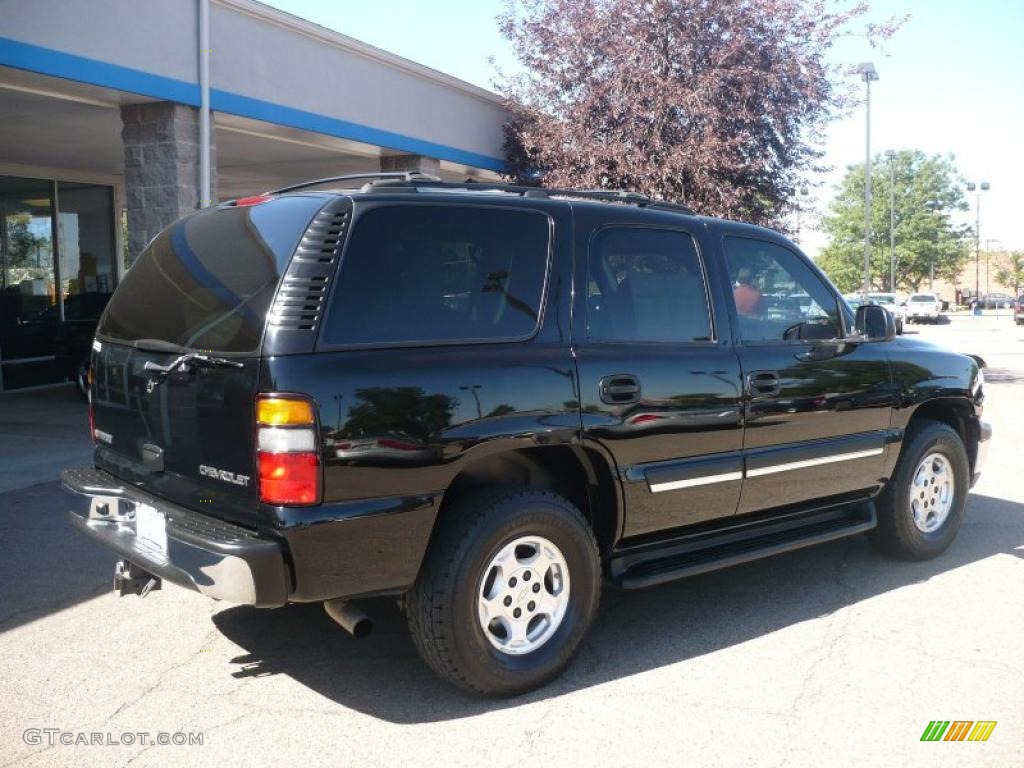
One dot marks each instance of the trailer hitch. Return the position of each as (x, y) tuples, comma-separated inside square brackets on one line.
[(129, 579)]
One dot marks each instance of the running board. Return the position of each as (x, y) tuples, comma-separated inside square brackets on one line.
[(711, 550)]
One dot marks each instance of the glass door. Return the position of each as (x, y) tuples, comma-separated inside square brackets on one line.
[(29, 310)]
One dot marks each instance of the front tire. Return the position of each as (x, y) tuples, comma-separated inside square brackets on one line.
[(507, 592), (922, 506)]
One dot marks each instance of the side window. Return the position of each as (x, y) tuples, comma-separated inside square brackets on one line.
[(431, 273), (646, 285), (778, 297)]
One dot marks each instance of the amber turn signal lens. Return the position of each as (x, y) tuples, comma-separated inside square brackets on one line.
[(281, 411)]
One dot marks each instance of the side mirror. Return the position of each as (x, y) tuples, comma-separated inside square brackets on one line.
[(875, 323)]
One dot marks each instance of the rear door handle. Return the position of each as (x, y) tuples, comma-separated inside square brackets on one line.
[(763, 384), (619, 389)]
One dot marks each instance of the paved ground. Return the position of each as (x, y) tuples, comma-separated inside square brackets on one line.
[(42, 431), (830, 656)]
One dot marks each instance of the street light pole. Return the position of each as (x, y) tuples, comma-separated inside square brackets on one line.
[(892, 219), (988, 261), (472, 389), (982, 187), (869, 74)]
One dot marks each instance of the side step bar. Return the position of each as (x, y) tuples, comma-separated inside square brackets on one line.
[(711, 550)]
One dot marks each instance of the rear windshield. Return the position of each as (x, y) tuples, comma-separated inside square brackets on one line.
[(424, 274), (922, 297), (207, 281)]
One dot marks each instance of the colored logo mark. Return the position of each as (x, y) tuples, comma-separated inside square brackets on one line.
[(958, 730)]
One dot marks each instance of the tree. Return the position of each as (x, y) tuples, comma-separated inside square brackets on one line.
[(407, 410), (1010, 271), (28, 251), (928, 194), (720, 105)]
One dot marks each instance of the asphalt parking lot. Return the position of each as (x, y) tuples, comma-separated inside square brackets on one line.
[(826, 656)]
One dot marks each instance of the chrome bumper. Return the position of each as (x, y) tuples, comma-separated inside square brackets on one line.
[(218, 559)]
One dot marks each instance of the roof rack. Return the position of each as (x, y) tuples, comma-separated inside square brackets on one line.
[(390, 181), (409, 177), (603, 195)]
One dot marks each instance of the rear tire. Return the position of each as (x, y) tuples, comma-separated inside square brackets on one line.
[(922, 506), (82, 378), (535, 541)]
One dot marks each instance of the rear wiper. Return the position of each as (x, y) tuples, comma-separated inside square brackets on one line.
[(189, 359)]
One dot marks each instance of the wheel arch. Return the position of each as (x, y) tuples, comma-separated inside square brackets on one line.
[(958, 413), (581, 474)]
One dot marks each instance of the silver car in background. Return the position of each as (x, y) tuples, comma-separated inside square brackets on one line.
[(896, 309), (897, 312)]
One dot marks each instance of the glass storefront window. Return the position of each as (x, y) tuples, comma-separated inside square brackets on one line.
[(49, 306), (85, 240)]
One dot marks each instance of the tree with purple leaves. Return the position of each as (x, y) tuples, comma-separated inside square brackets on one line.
[(719, 104)]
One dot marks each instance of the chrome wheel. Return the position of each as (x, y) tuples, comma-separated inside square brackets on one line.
[(523, 595), (931, 492)]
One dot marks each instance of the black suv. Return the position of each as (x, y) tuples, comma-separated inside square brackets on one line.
[(487, 399)]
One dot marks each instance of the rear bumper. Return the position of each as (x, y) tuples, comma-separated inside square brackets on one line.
[(218, 559)]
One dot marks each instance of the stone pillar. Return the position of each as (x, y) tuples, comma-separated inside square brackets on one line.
[(417, 163), (161, 167)]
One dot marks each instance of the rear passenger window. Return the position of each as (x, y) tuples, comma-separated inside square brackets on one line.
[(646, 285), (431, 273)]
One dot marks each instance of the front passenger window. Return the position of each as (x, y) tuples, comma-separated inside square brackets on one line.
[(777, 296)]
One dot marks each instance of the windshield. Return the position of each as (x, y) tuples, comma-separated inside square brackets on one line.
[(207, 281), (922, 297)]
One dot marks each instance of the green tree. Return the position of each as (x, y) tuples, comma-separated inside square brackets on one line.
[(1010, 271), (928, 194), (408, 410), (24, 245)]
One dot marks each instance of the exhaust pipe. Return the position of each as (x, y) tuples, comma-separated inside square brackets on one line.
[(350, 618)]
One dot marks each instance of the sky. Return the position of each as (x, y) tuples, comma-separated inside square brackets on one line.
[(951, 81)]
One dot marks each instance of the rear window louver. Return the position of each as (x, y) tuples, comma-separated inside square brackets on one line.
[(302, 295)]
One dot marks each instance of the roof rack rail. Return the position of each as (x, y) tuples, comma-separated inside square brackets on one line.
[(410, 177), (604, 195), (389, 181)]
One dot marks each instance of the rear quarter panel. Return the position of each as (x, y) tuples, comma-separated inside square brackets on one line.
[(398, 424)]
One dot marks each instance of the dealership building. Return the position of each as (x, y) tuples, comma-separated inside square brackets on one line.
[(118, 116)]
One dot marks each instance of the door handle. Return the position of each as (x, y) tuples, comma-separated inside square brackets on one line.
[(619, 389), (764, 384)]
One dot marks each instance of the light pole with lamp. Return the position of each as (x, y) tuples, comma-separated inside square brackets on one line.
[(472, 389), (988, 261), (891, 155), (868, 74), (984, 186)]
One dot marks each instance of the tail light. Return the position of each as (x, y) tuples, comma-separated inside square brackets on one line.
[(287, 454)]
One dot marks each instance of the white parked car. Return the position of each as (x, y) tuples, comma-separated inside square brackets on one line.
[(924, 308)]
